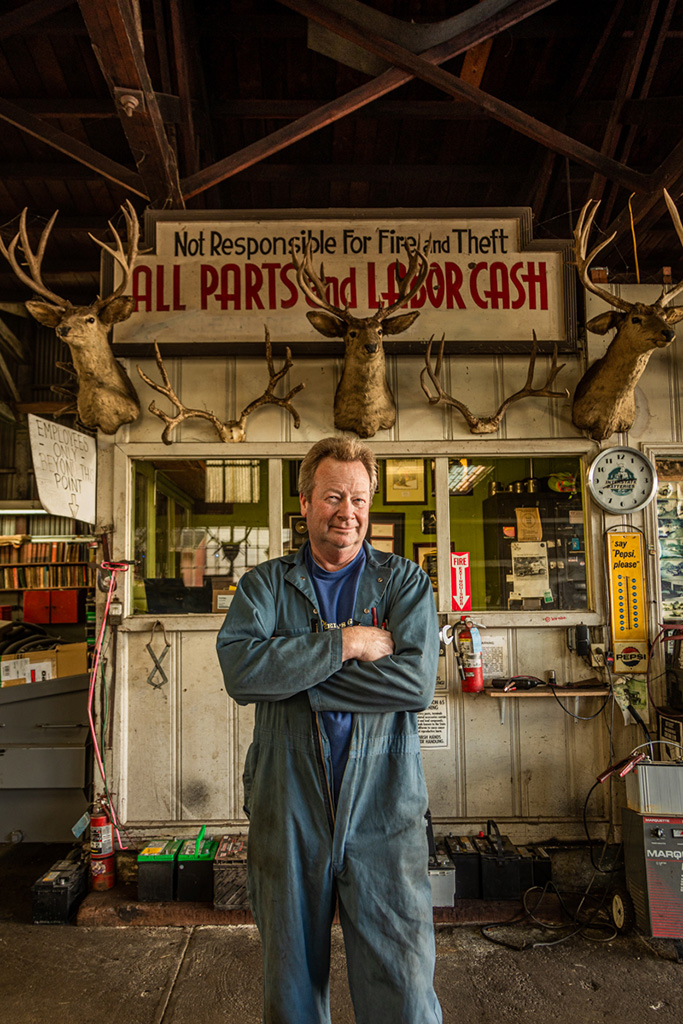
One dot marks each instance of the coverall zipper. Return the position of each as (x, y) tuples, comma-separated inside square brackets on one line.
[(324, 777)]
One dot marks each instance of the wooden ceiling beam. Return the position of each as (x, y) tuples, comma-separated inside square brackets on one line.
[(90, 107), (453, 86), (668, 109), (117, 44), (290, 172), (644, 89), (19, 20), (476, 25), (634, 57), (78, 151)]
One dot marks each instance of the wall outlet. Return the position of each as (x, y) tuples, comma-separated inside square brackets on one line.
[(597, 657)]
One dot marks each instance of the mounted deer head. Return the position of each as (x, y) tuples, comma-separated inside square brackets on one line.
[(604, 400), (489, 424), (233, 430), (363, 401), (106, 397)]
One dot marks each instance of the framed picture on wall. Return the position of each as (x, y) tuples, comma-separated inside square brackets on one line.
[(405, 482), (294, 466), (425, 556), (298, 531), (386, 532)]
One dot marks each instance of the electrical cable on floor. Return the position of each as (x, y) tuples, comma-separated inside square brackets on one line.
[(576, 925)]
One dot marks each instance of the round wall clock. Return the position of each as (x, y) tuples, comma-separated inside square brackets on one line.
[(622, 479)]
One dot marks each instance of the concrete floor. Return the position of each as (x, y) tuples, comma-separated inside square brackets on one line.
[(197, 974)]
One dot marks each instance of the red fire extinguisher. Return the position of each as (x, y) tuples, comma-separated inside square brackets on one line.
[(469, 650), (102, 861)]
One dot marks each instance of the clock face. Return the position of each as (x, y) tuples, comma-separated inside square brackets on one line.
[(622, 480)]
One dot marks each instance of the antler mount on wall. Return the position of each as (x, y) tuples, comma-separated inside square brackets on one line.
[(363, 401), (106, 397), (230, 430), (604, 399)]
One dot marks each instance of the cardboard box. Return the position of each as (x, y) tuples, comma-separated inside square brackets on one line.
[(221, 601), (72, 659), (36, 666), (32, 667)]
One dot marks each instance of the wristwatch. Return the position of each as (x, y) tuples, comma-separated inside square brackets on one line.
[(622, 479)]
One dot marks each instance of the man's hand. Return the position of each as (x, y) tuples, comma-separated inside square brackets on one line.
[(366, 643)]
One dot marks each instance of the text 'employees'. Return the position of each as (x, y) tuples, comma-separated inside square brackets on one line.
[(271, 285)]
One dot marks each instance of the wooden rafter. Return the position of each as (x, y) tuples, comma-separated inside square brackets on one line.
[(573, 88), (625, 90), (18, 20), (51, 136), (116, 42), (476, 25), (644, 89), (453, 86)]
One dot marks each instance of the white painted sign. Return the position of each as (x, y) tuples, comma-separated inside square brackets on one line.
[(65, 464), (213, 280)]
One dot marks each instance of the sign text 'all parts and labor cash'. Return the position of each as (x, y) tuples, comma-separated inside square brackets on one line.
[(214, 280)]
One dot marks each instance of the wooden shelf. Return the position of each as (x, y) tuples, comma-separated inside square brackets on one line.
[(557, 691), (81, 586), (25, 565)]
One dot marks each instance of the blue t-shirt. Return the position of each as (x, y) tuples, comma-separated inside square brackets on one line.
[(336, 593)]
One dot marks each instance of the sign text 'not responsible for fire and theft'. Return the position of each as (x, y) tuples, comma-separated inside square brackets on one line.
[(237, 276)]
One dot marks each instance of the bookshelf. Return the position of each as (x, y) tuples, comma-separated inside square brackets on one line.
[(57, 567)]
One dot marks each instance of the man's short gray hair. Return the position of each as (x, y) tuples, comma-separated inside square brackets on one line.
[(343, 449)]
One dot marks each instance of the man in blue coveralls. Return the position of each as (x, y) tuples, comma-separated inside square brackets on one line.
[(337, 646)]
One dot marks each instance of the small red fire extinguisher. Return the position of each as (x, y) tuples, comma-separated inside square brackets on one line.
[(102, 861), (469, 651)]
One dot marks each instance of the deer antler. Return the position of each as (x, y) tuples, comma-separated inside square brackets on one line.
[(489, 424), (666, 297), (127, 259), (581, 233), (418, 267), (416, 258), (233, 430), (33, 260), (317, 294)]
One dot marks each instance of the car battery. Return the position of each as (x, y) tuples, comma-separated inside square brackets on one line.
[(158, 871), (57, 894), (655, 787), (467, 863), (501, 865), (441, 876), (230, 873), (535, 868), (195, 869)]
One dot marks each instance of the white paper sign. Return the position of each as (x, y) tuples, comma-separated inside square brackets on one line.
[(432, 724), (494, 656), (65, 463)]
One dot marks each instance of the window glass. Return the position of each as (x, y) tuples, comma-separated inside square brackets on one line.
[(670, 536), (200, 524), (515, 529), (516, 534), (402, 517)]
